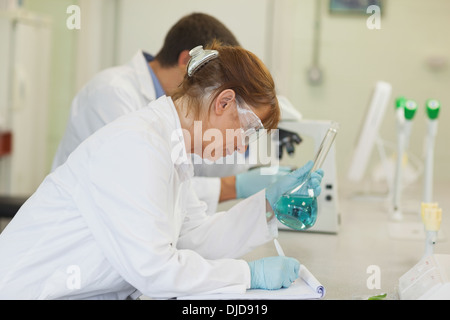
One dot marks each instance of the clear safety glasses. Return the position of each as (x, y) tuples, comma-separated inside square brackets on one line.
[(251, 125)]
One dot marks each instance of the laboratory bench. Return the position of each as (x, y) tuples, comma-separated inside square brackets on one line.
[(368, 244)]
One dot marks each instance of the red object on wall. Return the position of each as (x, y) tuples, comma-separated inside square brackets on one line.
[(5, 143)]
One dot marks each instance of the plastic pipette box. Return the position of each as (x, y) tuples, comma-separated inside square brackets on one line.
[(427, 280)]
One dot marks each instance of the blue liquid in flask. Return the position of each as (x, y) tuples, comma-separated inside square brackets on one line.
[(296, 211), (297, 208)]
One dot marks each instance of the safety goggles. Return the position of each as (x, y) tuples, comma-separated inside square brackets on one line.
[(251, 125)]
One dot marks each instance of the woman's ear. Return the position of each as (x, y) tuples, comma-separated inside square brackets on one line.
[(223, 101)]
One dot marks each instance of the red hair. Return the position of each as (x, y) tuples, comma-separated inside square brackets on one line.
[(237, 69)]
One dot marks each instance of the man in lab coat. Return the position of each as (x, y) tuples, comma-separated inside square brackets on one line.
[(123, 89)]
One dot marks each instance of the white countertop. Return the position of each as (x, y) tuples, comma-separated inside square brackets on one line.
[(341, 261)]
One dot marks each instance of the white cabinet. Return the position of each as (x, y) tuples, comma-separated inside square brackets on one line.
[(24, 92)]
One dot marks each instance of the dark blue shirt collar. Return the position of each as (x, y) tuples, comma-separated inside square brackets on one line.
[(159, 91)]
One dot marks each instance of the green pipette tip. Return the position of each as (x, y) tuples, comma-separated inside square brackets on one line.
[(410, 109), (433, 107), (400, 102)]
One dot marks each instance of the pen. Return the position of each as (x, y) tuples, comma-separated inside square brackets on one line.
[(278, 247)]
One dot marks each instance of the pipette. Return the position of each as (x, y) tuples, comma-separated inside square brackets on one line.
[(400, 120), (431, 217), (432, 109), (406, 109)]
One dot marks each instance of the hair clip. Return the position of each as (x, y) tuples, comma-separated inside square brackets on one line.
[(199, 57)]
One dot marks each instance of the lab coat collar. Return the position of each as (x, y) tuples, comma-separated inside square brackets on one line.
[(140, 66), (179, 156)]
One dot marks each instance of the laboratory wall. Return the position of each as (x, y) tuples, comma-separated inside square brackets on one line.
[(148, 21), (410, 50), (63, 67)]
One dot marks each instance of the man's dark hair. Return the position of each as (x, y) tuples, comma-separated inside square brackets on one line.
[(190, 31)]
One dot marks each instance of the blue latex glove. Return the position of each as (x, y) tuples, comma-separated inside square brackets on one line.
[(250, 182), (273, 272), (293, 179)]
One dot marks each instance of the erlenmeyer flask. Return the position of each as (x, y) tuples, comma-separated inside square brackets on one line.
[(297, 208)]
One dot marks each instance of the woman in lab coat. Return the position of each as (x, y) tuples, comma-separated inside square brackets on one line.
[(119, 215), (119, 90)]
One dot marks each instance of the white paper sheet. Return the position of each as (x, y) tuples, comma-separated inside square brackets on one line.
[(304, 288)]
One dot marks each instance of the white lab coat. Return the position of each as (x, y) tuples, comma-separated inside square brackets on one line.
[(110, 94), (120, 216), (118, 91)]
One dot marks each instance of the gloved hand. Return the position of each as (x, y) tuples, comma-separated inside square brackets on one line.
[(293, 179), (252, 181), (273, 272)]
